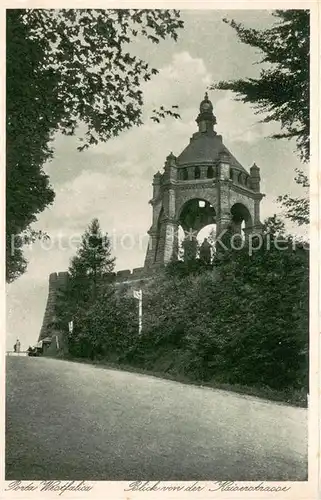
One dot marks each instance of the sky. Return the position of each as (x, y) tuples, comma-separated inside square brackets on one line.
[(113, 181)]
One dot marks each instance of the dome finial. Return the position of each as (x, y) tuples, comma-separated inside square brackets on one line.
[(206, 119), (206, 104)]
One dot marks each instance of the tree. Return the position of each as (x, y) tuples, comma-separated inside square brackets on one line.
[(274, 226), (244, 322), (90, 279), (28, 191), (282, 89), (92, 263), (101, 327), (297, 209), (66, 67)]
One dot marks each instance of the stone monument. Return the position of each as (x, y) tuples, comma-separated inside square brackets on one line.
[(203, 185)]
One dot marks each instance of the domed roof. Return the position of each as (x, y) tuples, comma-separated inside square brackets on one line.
[(206, 146)]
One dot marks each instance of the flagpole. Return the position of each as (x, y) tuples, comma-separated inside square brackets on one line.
[(140, 313), (139, 296)]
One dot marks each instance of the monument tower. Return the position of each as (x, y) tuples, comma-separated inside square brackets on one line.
[(204, 185)]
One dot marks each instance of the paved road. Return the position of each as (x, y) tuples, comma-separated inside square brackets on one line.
[(74, 421)]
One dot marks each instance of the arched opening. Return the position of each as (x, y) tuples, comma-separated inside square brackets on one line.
[(197, 173), (241, 218), (195, 215), (210, 172)]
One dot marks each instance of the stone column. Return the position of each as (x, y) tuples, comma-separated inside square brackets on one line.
[(191, 171), (255, 177), (151, 249), (203, 169), (156, 184), (171, 229), (164, 241), (171, 203), (224, 218), (153, 233), (257, 225), (224, 167), (256, 212), (171, 162), (223, 186), (171, 241)]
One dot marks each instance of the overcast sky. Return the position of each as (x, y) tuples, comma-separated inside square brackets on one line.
[(113, 181)]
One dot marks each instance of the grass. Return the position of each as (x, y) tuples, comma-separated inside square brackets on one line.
[(290, 397)]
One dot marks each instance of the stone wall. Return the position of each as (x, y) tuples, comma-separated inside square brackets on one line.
[(57, 282), (128, 279)]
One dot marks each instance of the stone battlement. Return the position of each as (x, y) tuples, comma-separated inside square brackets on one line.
[(127, 274), (58, 279), (61, 278), (138, 273)]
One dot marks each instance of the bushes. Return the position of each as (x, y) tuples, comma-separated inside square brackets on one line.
[(246, 325), (242, 322), (106, 327)]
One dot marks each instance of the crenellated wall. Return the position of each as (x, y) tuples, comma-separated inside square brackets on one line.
[(58, 281)]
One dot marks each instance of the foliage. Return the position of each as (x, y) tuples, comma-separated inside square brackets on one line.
[(16, 263), (102, 329), (237, 322), (274, 226), (183, 268), (66, 67), (28, 191), (90, 278), (243, 321), (190, 249), (92, 262), (282, 89), (297, 209), (161, 113)]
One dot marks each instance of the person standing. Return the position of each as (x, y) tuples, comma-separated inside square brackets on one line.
[(18, 346), (205, 252)]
